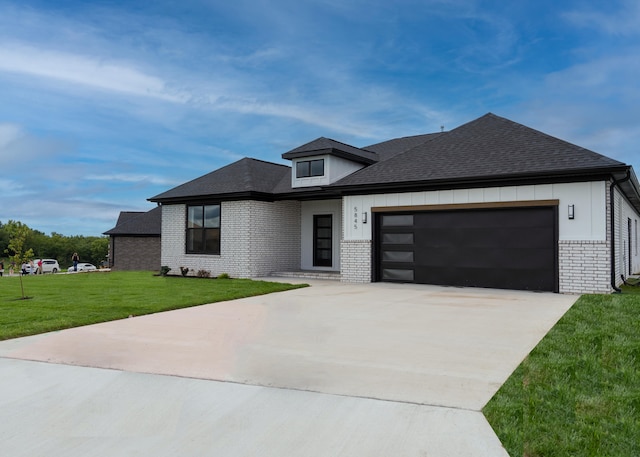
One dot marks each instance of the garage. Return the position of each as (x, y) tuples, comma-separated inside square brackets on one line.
[(504, 247)]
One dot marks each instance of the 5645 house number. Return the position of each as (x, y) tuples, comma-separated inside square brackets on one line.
[(355, 218)]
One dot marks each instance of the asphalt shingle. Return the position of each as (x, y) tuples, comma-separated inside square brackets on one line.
[(138, 223), (324, 145), (488, 147), (241, 177)]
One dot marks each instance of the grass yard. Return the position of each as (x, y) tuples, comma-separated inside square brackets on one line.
[(64, 301), (578, 392)]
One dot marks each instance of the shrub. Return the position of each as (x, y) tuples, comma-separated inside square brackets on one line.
[(203, 274), (164, 270), (224, 276)]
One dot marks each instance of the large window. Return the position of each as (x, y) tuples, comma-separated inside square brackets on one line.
[(203, 229), (310, 168)]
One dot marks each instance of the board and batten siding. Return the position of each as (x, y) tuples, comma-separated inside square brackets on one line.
[(589, 200)]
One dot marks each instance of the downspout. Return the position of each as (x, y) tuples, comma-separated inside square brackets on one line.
[(614, 183)]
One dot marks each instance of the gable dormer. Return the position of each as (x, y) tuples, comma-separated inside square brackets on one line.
[(324, 161)]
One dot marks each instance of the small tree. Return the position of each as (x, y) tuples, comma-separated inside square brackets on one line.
[(18, 233)]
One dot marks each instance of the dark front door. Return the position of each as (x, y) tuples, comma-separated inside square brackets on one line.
[(504, 248), (322, 240)]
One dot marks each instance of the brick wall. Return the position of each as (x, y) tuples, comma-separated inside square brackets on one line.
[(135, 253), (256, 238), (274, 237), (356, 261), (584, 266)]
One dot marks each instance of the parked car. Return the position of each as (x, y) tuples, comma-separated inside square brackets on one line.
[(83, 267), (48, 266)]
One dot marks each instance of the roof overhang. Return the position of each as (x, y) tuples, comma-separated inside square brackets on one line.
[(485, 181), (628, 183), (333, 152), (624, 176)]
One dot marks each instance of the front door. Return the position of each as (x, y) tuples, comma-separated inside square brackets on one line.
[(322, 240)]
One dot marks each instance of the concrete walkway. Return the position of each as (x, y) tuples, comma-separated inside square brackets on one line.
[(334, 369)]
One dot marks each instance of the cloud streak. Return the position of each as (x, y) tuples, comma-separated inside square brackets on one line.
[(87, 71)]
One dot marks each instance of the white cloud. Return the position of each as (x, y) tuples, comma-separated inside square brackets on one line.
[(19, 150), (622, 21), (88, 71), (9, 133), (131, 178)]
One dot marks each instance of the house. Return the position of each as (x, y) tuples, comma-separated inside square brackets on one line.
[(491, 203), (134, 243)]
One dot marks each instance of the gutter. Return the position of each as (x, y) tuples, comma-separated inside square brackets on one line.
[(615, 183)]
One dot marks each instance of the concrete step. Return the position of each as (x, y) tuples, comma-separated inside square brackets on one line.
[(308, 274)]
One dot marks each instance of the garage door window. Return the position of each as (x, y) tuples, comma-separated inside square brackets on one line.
[(397, 238), (397, 256), (397, 274), (403, 220)]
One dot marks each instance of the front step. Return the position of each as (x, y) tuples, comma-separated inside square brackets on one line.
[(308, 274)]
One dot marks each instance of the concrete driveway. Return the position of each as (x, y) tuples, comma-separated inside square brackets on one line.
[(334, 369)]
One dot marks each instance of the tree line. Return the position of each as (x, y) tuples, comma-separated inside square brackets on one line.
[(92, 249)]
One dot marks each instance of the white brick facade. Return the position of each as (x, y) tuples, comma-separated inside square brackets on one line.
[(256, 238), (584, 267), (356, 261)]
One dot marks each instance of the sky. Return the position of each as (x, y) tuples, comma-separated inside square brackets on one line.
[(107, 103)]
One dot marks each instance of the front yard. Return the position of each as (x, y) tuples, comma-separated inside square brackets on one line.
[(578, 392), (62, 301)]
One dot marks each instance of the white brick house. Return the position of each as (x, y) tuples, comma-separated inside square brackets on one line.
[(489, 204)]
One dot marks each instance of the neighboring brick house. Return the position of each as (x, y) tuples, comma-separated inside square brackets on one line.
[(134, 243), (491, 203)]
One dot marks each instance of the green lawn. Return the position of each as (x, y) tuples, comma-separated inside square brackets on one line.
[(578, 392), (62, 301)]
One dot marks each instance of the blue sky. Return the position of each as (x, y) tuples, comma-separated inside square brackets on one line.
[(104, 104)]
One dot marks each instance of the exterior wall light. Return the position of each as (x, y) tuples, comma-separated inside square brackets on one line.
[(571, 211), (364, 217)]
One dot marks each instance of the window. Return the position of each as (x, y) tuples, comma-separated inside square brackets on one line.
[(203, 229), (310, 168), (399, 220)]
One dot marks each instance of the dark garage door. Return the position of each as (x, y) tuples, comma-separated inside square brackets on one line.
[(505, 248)]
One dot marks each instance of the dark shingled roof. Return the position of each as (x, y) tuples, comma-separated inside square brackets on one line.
[(244, 177), (328, 146), (128, 215), (138, 223), (490, 150), (391, 148), (490, 147)]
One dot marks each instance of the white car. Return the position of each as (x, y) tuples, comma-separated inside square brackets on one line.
[(48, 266), (83, 267)]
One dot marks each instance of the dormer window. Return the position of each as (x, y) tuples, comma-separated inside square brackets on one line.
[(309, 168)]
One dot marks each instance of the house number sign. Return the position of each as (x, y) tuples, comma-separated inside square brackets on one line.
[(355, 218)]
